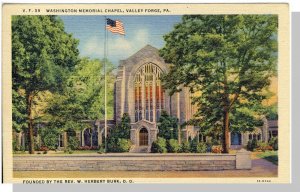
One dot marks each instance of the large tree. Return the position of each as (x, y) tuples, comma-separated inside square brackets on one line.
[(82, 96), (226, 61), (42, 56)]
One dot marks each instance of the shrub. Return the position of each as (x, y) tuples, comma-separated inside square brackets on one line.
[(49, 137), (269, 148), (68, 150), (261, 146), (94, 148), (22, 148), (193, 145), (216, 149), (101, 149), (37, 144), (50, 141), (84, 148), (167, 126), (249, 145), (87, 148), (44, 148), (274, 143), (173, 146), (123, 145), (159, 146), (185, 147), (124, 127), (112, 144), (252, 144), (201, 148), (118, 144), (120, 131), (216, 141), (16, 147), (73, 143)]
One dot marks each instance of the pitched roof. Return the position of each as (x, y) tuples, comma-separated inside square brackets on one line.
[(145, 52), (146, 49)]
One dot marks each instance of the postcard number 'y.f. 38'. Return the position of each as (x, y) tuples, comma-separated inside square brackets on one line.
[(31, 10)]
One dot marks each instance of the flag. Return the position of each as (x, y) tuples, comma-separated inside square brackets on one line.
[(115, 26)]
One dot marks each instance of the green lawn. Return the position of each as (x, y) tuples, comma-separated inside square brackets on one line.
[(271, 156)]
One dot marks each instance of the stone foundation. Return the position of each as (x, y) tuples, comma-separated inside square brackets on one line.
[(134, 162)]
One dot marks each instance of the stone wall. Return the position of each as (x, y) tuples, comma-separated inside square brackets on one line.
[(134, 162)]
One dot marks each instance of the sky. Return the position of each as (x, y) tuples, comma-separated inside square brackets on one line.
[(139, 31)]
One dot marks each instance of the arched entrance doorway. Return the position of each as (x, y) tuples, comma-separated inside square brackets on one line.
[(143, 137)]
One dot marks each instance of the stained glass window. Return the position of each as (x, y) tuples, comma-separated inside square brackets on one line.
[(148, 93)]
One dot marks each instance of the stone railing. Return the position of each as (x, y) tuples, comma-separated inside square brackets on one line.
[(134, 162)]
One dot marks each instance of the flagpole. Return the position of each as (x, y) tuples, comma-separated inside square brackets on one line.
[(105, 101)]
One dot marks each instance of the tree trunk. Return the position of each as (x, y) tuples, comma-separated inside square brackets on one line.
[(65, 139), (30, 123), (179, 133), (225, 144), (226, 108)]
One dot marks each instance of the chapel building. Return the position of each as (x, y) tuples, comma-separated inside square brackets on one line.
[(139, 93)]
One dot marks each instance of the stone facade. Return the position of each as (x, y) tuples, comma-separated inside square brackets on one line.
[(139, 93)]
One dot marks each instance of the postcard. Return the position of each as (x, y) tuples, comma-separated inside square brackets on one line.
[(146, 93)]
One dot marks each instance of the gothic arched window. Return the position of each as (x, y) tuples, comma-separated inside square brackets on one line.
[(148, 93)]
